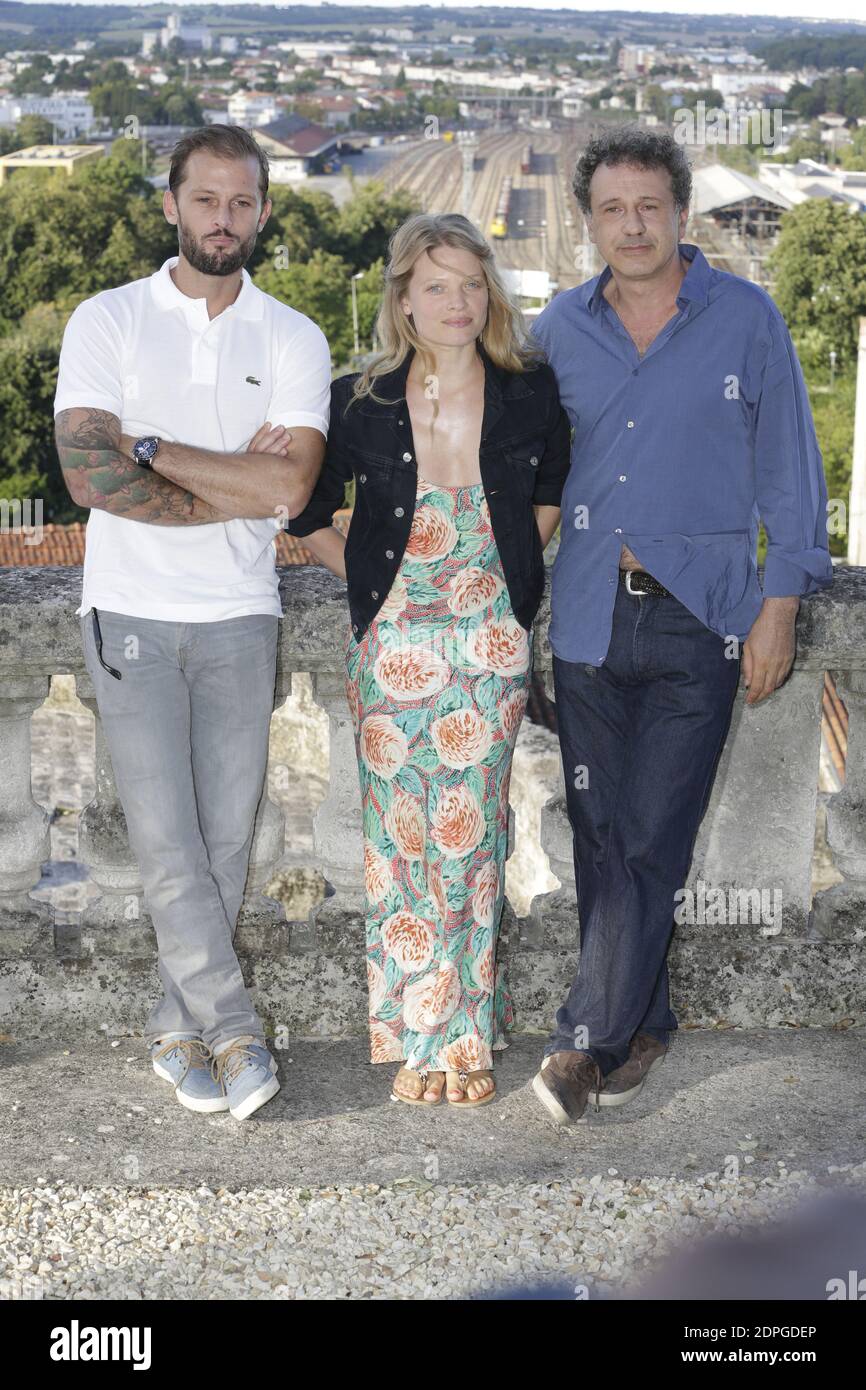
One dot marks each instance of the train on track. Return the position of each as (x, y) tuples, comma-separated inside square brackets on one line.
[(526, 160), (499, 225)]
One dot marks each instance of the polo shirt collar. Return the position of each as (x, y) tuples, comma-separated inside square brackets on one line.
[(166, 294), (695, 285)]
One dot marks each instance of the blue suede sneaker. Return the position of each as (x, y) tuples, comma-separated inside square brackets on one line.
[(187, 1063), (246, 1071)]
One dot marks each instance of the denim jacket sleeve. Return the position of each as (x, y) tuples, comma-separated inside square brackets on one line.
[(330, 490), (556, 460)]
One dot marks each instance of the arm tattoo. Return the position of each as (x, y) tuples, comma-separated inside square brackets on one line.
[(99, 475)]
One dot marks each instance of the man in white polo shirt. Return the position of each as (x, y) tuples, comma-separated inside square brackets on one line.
[(191, 416)]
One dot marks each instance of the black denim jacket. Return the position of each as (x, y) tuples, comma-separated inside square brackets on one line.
[(524, 461)]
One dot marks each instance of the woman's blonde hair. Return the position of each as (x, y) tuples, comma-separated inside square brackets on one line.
[(504, 337)]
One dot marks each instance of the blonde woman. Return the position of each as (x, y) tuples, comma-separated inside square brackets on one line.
[(459, 449)]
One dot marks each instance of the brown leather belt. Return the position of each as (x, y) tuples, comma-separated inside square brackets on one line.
[(640, 582)]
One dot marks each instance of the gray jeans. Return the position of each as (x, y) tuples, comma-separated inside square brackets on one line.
[(187, 729)]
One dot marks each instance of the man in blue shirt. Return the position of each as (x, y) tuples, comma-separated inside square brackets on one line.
[(691, 424)]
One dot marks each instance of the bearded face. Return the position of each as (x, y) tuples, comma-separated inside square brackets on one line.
[(217, 211), (215, 253)]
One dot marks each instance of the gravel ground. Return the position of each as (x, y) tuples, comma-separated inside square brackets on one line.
[(409, 1239)]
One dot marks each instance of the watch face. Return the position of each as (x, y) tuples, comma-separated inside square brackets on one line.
[(145, 449)]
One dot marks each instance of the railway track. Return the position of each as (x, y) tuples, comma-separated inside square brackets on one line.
[(542, 202)]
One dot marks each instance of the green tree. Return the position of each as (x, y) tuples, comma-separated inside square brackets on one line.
[(115, 100), (63, 239), (300, 221), (30, 80), (33, 130), (28, 380), (833, 412), (368, 219), (176, 104), (818, 267), (320, 288), (854, 155), (809, 146)]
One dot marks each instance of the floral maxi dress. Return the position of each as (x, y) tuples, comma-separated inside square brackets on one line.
[(437, 688)]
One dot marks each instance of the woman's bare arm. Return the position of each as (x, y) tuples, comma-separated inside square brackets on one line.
[(329, 547), (547, 519)]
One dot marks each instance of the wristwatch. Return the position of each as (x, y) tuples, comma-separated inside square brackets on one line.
[(144, 451)]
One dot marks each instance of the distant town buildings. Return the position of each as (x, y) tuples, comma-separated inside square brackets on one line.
[(295, 147), (70, 113), (635, 61), (189, 35), (808, 179), (253, 108)]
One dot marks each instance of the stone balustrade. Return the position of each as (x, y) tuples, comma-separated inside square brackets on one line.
[(758, 951)]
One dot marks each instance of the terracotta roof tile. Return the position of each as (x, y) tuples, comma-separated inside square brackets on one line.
[(64, 545)]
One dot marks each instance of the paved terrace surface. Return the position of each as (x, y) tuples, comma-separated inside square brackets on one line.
[(81, 1113)]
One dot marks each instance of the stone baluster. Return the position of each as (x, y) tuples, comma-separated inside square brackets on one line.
[(840, 911), (116, 920), (552, 916), (25, 923), (556, 836), (338, 824), (781, 738), (259, 913), (759, 829)]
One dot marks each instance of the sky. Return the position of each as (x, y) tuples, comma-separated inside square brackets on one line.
[(787, 9)]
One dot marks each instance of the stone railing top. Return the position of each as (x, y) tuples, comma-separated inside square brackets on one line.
[(39, 631)]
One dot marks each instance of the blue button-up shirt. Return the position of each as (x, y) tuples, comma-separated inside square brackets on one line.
[(679, 454)]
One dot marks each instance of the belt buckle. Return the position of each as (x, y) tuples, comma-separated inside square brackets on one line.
[(638, 593)]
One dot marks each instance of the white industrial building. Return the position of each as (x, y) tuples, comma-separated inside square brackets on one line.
[(732, 198), (808, 179), (69, 112)]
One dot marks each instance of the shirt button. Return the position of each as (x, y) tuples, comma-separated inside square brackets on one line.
[(398, 511), (533, 461), (622, 477), (617, 530), (407, 458), (362, 478), (631, 424), (354, 627), (399, 422), (373, 594), (389, 554)]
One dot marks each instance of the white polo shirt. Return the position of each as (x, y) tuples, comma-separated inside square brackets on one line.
[(150, 355)]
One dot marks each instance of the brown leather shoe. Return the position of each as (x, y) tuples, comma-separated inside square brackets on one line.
[(564, 1084), (622, 1085)]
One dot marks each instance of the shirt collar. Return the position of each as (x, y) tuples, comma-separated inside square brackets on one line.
[(695, 285), (166, 295)]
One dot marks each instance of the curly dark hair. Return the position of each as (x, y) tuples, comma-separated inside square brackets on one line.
[(644, 147)]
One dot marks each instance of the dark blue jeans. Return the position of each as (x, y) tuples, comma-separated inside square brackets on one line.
[(641, 737)]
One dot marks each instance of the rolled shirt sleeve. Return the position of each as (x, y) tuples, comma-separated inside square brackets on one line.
[(302, 389), (790, 487)]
